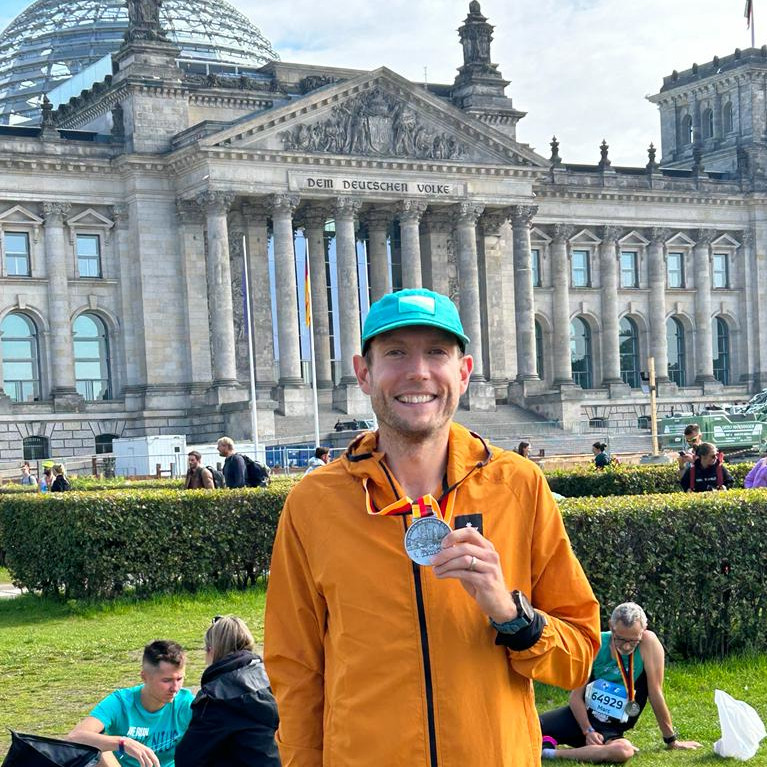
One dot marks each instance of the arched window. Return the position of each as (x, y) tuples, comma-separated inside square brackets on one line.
[(707, 123), (21, 361), (539, 349), (675, 342), (727, 125), (104, 443), (91, 347), (687, 130), (580, 353), (721, 351), (35, 448), (628, 338)]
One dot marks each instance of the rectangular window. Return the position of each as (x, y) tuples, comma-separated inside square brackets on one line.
[(16, 246), (675, 270), (629, 269), (580, 275), (535, 263), (721, 270), (88, 255)]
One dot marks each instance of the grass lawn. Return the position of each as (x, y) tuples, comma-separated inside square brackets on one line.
[(57, 660), (5, 576)]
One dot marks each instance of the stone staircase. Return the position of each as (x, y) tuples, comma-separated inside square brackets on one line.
[(505, 427)]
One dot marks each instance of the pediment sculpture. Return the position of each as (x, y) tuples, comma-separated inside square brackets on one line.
[(374, 123)]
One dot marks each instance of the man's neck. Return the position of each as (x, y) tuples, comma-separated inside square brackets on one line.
[(419, 467), (149, 704)]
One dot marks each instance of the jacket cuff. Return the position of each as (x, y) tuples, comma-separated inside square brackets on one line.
[(525, 638)]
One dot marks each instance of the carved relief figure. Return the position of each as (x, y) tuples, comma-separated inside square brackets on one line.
[(374, 123)]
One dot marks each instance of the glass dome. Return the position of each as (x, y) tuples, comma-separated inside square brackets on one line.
[(53, 40)]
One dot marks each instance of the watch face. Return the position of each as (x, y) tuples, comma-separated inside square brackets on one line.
[(523, 606)]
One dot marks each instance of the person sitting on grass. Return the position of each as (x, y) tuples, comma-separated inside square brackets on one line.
[(140, 726), (234, 716), (707, 472), (627, 672)]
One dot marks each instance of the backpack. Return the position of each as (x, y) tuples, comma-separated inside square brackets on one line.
[(218, 477), (256, 474)]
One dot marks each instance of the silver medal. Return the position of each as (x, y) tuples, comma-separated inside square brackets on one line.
[(633, 708), (423, 539)]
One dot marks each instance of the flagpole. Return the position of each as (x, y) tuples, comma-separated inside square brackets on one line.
[(753, 26), (310, 323), (251, 364)]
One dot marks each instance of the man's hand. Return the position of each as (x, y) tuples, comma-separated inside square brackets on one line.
[(684, 745), (595, 738), (141, 753), (472, 558)]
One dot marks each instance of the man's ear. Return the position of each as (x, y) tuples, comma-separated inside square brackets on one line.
[(467, 365), (362, 371)]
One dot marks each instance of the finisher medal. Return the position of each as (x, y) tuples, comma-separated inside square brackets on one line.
[(423, 539), (633, 709)]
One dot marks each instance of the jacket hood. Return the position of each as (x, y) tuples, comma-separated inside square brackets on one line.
[(240, 673), (467, 453)]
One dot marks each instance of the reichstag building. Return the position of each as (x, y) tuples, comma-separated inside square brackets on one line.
[(155, 160)]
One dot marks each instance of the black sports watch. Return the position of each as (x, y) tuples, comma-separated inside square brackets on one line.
[(525, 615)]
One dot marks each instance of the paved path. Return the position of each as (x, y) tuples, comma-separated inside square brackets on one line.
[(8, 590)]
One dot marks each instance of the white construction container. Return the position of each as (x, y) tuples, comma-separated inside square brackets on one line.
[(139, 456)]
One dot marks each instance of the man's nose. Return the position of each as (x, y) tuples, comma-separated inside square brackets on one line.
[(418, 367)]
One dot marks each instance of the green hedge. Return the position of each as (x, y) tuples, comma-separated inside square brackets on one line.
[(582, 481), (96, 544), (698, 563)]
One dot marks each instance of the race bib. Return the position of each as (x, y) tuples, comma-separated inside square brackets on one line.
[(607, 699)]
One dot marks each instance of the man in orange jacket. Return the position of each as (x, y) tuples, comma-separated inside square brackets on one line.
[(420, 583)]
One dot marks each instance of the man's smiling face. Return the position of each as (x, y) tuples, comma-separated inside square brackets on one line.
[(414, 377)]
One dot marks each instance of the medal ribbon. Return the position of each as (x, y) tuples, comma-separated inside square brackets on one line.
[(425, 506), (627, 675)]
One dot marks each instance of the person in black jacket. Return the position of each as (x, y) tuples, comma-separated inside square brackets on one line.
[(234, 466), (707, 472), (234, 716), (61, 483)]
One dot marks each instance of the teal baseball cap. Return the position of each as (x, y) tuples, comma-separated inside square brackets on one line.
[(416, 306)]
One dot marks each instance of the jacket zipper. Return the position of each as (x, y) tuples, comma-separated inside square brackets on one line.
[(426, 661)]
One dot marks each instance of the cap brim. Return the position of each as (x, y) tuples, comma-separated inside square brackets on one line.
[(416, 321)]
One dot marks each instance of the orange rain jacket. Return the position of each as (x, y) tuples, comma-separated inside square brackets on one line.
[(377, 663)]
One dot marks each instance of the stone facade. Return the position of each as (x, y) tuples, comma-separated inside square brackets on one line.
[(567, 277)]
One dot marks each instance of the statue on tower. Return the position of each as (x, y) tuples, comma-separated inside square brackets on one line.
[(144, 21), (476, 35)]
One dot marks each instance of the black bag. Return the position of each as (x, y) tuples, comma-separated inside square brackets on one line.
[(37, 751), (256, 474), (218, 477)]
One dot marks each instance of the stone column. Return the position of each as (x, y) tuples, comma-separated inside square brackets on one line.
[(255, 221), (753, 296), (282, 207), (378, 220), (216, 205), (611, 363), (314, 222), (410, 212), (491, 291), (347, 396), (480, 395), (61, 352), (521, 216), (436, 232), (704, 358), (560, 315), (656, 263), (195, 293)]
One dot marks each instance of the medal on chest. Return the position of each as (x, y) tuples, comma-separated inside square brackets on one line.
[(430, 524)]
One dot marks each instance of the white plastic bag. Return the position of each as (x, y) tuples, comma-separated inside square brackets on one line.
[(742, 729)]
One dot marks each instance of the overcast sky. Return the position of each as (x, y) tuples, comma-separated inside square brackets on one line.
[(579, 68)]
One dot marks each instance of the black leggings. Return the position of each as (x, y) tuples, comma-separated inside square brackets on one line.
[(562, 725)]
